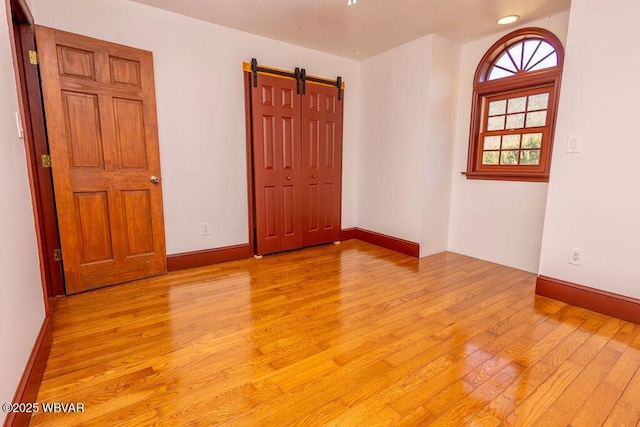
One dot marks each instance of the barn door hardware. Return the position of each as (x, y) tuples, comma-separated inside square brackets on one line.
[(254, 70), (300, 74), (303, 78)]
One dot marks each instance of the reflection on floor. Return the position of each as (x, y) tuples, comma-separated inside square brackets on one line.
[(349, 335)]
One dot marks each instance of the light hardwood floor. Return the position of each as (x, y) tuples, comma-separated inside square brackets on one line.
[(344, 335)]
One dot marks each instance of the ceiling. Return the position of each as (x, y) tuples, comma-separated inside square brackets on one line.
[(367, 28)]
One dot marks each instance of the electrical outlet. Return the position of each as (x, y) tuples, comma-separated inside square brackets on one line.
[(204, 229), (575, 256)]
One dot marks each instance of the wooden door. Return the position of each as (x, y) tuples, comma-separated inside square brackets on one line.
[(276, 154), (321, 164), (100, 110)]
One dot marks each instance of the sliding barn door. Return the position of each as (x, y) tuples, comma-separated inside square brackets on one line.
[(101, 121), (277, 174), (297, 163), (321, 164)]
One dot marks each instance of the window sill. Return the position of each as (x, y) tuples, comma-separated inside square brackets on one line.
[(505, 176)]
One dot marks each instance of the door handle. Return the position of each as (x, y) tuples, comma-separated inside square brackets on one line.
[(154, 179), (288, 178), (313, 176)]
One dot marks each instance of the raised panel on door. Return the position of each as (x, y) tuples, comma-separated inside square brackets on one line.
[(130, 133), (82, 125), (124, 71), (138, 229), (101, 119), (92, 210), (276, 162), (76, 62), (322, 164), (268, 220)]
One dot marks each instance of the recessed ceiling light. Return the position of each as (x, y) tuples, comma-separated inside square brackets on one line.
[(508, 19), (350, 2)]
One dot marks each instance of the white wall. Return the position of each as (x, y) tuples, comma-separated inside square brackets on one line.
[(441, 114), (405, 140), (498, 221), (200, 99), (594, 201), (21, 303), (393, 130)]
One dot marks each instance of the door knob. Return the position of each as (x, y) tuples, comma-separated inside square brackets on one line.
[(288, 178), (154, 179), (313, 176)]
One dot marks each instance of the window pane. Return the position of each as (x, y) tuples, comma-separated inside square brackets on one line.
[(530, 47), (492, 142), (498, 73), (497, 107), (505, 62), (516, 105), (544, 49), (515, 121), (490, 157), (532, 140), (530, 157), (537, 62), (538, 102), (516, 54), (495, 123), (539, 118), (509, 157), (551, 61), (510, 141)]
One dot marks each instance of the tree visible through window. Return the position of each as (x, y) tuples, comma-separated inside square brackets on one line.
[(514, 105)]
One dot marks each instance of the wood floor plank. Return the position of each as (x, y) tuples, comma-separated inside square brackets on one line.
[(343, 335), (602, 400), (626, 410), (528, 411), (538, 372), (567, 405), (473, 366), (398, 382)]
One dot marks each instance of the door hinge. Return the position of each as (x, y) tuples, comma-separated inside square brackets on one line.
[(46, 161), (57, 254), (33, 57)]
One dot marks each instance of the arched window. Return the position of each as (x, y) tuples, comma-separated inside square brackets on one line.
[(515, 98)]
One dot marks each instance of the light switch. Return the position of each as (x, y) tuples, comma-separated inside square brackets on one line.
[(573, 144), (19, 126)]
